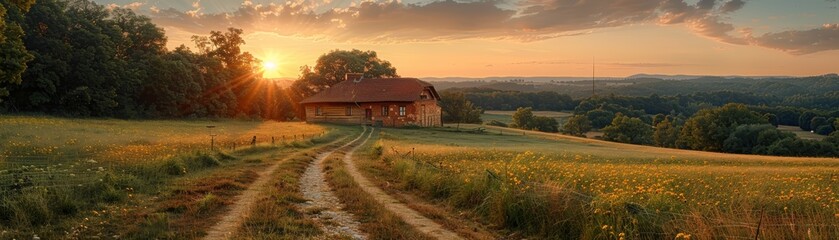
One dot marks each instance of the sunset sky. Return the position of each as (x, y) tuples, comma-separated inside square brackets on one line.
[(436, 38)]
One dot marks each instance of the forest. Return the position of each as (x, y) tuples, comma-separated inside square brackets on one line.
[(80, 59)]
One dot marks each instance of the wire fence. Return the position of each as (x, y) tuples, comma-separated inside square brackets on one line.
[(19, 171)]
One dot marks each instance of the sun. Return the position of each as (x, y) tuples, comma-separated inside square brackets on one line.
[(269, 65)]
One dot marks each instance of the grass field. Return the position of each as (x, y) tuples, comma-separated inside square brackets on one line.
[(553, 186), (506, 116), (801, 133), (80, 178)]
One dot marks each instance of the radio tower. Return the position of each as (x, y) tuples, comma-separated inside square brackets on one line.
[(592, 78)]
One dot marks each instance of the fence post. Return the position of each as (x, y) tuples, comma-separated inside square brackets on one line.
[(272, 140), (759, 222)]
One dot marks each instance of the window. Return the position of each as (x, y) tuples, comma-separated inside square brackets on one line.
[(349, 110), (423, 96), (385, 110), (401, 110), (318, 111)]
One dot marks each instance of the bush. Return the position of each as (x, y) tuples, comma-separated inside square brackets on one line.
[(378, 150), (497, 123), (174, 167), (206, 160), (824, 130)]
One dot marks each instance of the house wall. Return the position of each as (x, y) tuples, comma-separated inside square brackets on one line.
[(424, 113)]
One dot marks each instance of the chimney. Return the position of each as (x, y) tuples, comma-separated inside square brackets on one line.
[(355, 77)]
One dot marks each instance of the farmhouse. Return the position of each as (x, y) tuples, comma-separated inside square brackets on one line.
[(390, 102)]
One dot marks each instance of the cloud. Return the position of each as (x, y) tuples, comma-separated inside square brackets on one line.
[(801, 42), (133, 6), (732, 6), (525, 20), (605, 64)]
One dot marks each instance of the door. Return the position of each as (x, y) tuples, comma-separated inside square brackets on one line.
[(368, 114)]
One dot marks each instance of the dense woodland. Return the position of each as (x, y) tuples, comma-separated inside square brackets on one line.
[(77, 58), (724, 121)]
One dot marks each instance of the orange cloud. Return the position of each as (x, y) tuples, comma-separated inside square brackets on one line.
[(527, 20)]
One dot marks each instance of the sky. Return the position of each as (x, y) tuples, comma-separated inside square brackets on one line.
[(490, 38)]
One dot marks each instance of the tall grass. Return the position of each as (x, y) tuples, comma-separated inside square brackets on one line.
[(55, 173), (545, 193)]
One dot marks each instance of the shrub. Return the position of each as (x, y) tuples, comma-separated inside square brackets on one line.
[(206, 160), (497, 123), (824, 130), (207, 203), (174, 167)]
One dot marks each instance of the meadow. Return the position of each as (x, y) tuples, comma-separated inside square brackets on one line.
[(506, 116), (64, 178), (553, 186)]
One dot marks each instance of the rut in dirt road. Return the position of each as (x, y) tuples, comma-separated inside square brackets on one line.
[(408, 215), (322, 205), (242, 204)]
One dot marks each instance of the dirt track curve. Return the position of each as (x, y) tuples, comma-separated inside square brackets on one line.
[(411, 217)]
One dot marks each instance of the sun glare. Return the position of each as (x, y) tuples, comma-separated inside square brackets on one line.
[(269, 66)]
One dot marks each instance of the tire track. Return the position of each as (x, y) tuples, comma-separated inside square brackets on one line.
[(411, 217), (323, 206), (244, 202)]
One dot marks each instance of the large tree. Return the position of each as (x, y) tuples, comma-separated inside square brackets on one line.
[(628, 130), (331, 68), (666, 133), (578, 125), (13, 54), (457, 109), (708, 128)]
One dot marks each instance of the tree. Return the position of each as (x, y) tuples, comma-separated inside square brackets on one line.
[(457, 109), (544, 124), (600, 118), (523, 118), (628, 130), (666, 133), (708, 128), (772, 118), (804, 120), (802, 148), (824, 130), (578, 125), (331, 68), (754, 138), (817, 122), (13, 54)]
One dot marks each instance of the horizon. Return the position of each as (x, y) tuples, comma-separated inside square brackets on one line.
[(523, 38)]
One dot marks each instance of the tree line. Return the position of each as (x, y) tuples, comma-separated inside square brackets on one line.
[(80, 59)]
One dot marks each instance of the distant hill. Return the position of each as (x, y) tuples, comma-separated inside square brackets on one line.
[(645, 84), (689, 77)]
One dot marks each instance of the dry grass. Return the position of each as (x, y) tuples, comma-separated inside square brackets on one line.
[(82, 178)]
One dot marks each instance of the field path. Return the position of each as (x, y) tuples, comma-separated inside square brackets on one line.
[(411, 217), (242, 204), (323, 206)]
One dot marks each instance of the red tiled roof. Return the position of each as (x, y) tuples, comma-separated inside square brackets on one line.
[(373, 90)]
